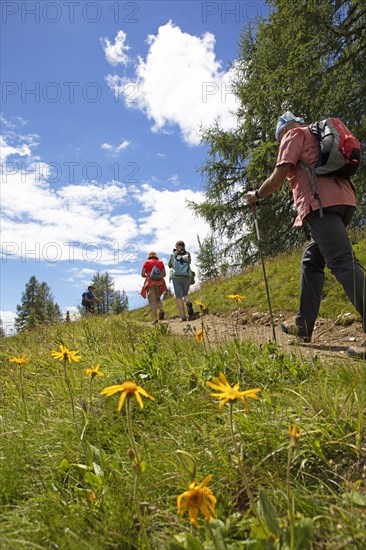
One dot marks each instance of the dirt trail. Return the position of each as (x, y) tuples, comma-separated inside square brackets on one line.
[(330, 338)]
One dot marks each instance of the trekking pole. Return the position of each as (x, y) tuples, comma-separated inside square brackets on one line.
[(254, 210)]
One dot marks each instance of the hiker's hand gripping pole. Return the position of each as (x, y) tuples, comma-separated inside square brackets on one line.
[(254, 210)]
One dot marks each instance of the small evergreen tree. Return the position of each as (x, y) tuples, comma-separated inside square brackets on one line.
[(208, 259), (120, 302), (37, 306), (104, 289)]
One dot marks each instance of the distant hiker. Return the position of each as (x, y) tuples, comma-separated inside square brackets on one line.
[(153, 271), (327, 209), (181, 275), (89, 300), (67, 318)]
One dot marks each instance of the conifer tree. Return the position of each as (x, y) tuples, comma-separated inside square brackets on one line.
[(208, 259), (120, 302), (104, 289), (114, 301), (307, 57), (37, 306)]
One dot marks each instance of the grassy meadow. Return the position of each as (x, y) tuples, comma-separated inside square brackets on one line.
[(279, 468)]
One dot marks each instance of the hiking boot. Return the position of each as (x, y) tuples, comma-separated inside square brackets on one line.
[(161, 315), (183, 319), (293, 330), (357, 352), (155, 322), (190, 309), (194, 316)]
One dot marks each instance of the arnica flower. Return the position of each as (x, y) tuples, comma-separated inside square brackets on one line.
[(294, 436), (66, 355), (94, 371), (200, 304), (127, 388), (199, 335), (197, 498), (231, 393), (237, 297), (19, 360)]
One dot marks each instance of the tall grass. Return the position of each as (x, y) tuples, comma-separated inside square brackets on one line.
[(67, 482)]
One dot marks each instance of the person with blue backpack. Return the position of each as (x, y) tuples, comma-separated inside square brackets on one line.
[(181, 276), (89, 300), (318, 160)]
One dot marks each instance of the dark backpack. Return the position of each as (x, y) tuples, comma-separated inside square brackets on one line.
[(340, 151), (156, 274), (83, 301)]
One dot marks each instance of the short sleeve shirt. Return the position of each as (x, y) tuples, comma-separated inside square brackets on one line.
[(297, 145), (149, 264)]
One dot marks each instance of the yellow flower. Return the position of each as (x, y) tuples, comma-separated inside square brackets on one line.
[(237, 297), (94, 371), (199, 335), (228, 393), (294, 436), (200, 304), (19, 360), (66, 355), (127, 388), (197, 498)]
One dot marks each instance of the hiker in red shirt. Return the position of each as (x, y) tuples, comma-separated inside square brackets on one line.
[(153, 271), (327, 211)]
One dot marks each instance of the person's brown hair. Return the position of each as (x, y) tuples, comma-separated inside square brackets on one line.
[(152, 255), (180, 244)]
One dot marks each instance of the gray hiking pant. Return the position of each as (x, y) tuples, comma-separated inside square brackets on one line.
[(331, 247)]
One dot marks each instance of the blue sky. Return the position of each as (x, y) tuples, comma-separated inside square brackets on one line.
[(101, 108)]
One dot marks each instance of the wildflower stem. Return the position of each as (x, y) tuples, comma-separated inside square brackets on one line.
[(238, 457), (242, 471), (130, 431), (22, 393), (90, 394), (290, 503), (237, 320), (67, 381), (204, 334), (137, 472), (211, 531)]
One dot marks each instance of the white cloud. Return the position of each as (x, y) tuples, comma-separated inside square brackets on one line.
[(166, 218), (34, 214), (12, 122), (8, 319), (180, 83), (100, 223), (116, 53), (115, 149), (7, 150), (174, 180)]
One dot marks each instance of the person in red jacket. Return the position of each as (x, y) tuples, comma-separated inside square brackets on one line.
[(154, 288)]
